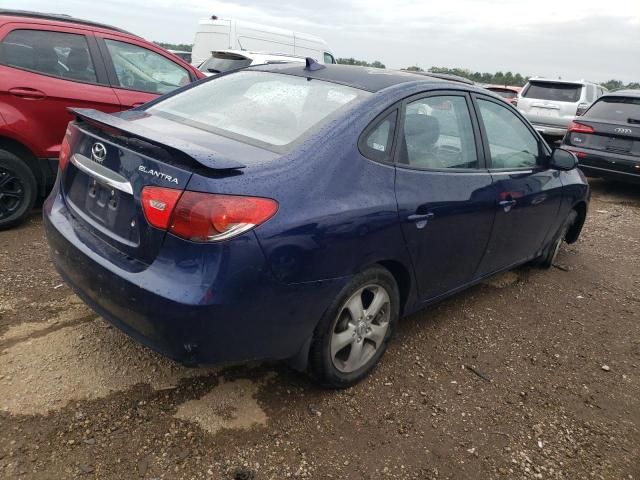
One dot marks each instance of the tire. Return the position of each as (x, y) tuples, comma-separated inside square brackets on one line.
[(549, 256), (18, 190), (347, 346)]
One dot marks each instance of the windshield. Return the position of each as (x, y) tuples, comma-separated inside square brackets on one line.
[(270, 108), (617, 109), (554, 91), (221, 62)]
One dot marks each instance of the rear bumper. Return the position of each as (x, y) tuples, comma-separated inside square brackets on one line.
[(609, 165), (195, 312), (551, 131)]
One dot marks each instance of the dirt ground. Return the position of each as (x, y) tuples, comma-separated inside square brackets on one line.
[(534, 374)]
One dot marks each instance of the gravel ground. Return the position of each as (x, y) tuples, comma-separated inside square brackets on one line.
[(533, 374)]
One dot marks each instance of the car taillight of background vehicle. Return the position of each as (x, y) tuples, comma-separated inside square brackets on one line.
[(204, 217), (65, 151), (576, 127), (582, 108)]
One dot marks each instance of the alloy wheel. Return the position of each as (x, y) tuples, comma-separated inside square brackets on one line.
[(12, 193), (360, 328)]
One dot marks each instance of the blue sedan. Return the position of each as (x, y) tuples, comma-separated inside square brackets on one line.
[(296, 212)]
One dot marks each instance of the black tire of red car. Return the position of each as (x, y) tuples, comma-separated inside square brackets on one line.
[(18, 190), (322, 365), (549, 256)]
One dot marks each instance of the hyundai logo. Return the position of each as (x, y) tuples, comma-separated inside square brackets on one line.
[(625, 131), (98, 152)]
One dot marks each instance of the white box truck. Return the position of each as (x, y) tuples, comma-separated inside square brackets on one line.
[(215, 34)]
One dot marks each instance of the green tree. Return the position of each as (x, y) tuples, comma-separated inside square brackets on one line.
[(360, 63), (414, 68), (183, 47)]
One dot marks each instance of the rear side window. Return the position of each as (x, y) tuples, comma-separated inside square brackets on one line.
[(269, 108), (617, 109), (557, 92), (438, 134), (221, 62), (511, 143), (377, 142), (141, 69), (63, 55)]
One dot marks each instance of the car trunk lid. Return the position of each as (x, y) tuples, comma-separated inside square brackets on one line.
[(112, 159)]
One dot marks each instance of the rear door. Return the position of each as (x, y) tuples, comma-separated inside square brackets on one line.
[(443, 190), (137, 73), (44, 70), (526, 193)]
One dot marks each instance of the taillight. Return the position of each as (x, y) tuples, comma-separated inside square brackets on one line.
[(158, 204), (65, 151), (576, 127), (582, 108), (206, 217)]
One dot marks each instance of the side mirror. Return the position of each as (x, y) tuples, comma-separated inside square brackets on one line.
[(563, 160)]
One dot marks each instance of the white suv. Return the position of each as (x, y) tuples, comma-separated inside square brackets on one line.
[(226, 60), (550, 105)]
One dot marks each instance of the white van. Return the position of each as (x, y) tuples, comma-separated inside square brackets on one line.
[(217, 34)]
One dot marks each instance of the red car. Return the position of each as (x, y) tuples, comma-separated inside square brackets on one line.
[(51, 62), (508, 92)]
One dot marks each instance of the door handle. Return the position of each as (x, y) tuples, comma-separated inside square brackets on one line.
[(507, 204), (417, 217), (420, 219), (27, 93)]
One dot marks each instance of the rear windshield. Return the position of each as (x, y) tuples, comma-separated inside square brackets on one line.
[(269, 108), (504, 93), (618, 109), (557, 92), (221, 62)]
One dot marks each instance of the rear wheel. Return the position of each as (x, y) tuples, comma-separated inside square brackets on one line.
[(354, 333), (18, 190), (549, 256)]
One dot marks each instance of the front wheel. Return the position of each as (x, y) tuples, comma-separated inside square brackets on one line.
[(354, 332), (549, 256)]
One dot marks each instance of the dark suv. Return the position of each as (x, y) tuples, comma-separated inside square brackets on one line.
[(51, 62), (606, 139)]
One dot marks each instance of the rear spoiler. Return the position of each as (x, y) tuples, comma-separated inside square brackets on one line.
[(204, 156)]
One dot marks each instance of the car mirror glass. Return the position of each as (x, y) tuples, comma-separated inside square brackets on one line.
[(562, 159)]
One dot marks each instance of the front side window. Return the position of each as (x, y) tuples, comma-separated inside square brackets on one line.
[(269, 108), (438, 134), (511, 143), (64, 55), (141, 69), (328, 58)]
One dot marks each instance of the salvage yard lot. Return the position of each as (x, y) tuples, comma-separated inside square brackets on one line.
[(533, 374)]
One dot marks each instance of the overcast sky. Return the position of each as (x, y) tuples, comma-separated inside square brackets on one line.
[(572, 39)]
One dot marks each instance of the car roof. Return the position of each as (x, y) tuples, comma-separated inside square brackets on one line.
[(59, 17), (505, 87), (364, 78), (635, 93)]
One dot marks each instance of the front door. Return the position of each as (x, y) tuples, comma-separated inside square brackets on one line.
[(527, 194), (443, 190)]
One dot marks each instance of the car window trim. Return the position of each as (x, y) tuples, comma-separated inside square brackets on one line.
[(375, 123), (482, 166), (543, 149), (101, 79)]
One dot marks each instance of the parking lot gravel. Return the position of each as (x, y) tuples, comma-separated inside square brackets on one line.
[(534, 374)]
